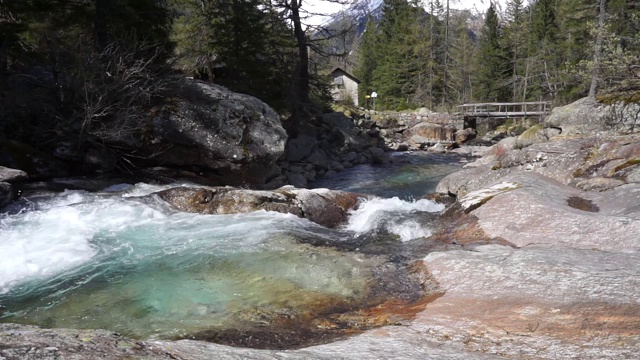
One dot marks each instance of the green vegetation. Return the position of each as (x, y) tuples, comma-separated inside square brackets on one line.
[(93, 70), (538, 50)]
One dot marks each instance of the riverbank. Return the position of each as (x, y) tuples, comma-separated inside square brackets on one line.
[(546, 265)]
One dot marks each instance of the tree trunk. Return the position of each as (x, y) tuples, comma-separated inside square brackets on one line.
[(595, 74), (301, 38), (301, 98), (446, 58), (100, 24)]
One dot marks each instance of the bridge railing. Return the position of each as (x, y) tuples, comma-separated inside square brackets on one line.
[(506, 110)]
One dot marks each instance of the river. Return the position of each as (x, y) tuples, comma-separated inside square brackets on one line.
[(123, 260)]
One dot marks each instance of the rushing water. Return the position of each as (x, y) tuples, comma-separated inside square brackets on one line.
[(410, 176), (126, 261)]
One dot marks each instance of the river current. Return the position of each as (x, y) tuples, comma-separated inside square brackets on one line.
[(123, 260)]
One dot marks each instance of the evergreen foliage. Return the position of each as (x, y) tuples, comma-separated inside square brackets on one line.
[(539, 50), (237, 43), (367, 60), (414, 55), (493, 66)]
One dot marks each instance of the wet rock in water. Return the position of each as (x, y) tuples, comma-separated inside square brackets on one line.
[(465, 135), (7, 190), (7, 194), (437, 148), (325, 207), (297, 180), (379, 156)]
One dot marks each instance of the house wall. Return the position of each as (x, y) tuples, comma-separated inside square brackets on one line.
[(344, 87)]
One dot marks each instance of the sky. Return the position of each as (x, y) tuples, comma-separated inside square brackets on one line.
[(328, 7)]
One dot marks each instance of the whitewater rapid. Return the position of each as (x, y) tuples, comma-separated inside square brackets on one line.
[(63, 232), (392, 215)]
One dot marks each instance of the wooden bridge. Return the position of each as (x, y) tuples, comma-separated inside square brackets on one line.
[(506, 110)]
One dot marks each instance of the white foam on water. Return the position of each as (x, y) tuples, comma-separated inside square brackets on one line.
[(408, 230), (70, 229), (43, 245), (374, 213), (59, 235)]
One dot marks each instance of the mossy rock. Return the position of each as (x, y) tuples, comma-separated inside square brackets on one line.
[(502, 129), (531, 133), (347, 110)]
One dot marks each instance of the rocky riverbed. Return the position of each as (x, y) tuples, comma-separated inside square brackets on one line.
[(535, 257), (544, 268)]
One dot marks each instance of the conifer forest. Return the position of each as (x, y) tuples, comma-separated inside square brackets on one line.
[(96, 58)]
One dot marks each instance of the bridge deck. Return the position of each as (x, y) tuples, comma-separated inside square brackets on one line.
[(506, 110)]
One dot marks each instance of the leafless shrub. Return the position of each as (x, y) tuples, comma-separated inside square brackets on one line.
[(114, 91), (623, 116)]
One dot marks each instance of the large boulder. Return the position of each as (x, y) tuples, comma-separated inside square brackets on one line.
[(588, 163), (433, 132), (526, 208), (325, 207), (7, 191), (589, 116), (12, 175), (229, 137)]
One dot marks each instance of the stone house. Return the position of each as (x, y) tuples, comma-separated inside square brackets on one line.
[(344, 86)]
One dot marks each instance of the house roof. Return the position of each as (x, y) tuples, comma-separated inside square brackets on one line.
[(341, 70)]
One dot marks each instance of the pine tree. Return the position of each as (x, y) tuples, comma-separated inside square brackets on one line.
[(493, 62), (462, 60), (367, 60), (545, 58), (515, 42), (389, 76), (235, 42)]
